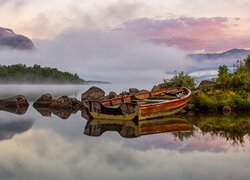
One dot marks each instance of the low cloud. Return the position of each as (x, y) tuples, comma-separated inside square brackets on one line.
[(111, 56)]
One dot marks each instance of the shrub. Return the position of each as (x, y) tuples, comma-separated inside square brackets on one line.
[(179, 80)]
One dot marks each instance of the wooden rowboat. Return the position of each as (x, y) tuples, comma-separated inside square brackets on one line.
[(146, 105)]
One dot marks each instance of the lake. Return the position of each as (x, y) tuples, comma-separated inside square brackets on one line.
[(34, 147)]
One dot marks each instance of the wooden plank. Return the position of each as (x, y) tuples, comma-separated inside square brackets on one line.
[(148, 100), (163, 97)]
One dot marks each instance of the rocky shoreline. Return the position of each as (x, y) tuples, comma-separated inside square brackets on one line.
[(65, 106)]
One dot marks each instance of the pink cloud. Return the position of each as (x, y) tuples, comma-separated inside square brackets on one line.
[(188, 33)]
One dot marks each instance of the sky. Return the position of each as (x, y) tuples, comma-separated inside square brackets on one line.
[(120, 40), (196, 25)]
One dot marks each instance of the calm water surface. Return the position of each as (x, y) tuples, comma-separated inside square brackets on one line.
[(36, 147)]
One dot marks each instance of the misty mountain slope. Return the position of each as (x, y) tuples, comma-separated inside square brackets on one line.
[(236, 54), (9, 39)]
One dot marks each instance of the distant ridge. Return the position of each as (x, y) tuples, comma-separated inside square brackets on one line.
[(9, 39), (236, 54)]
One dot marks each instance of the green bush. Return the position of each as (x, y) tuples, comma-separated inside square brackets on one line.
[(242, 103), (180, 80)]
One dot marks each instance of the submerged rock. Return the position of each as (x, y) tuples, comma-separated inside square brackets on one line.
[(93, 94)]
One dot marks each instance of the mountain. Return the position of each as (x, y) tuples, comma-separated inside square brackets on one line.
[(236, 54), (9, 39)]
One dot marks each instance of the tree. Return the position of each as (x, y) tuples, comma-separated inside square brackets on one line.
[(247, 62), (223, 79), (179, 80)]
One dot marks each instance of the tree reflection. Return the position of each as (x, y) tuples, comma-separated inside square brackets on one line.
[(232, 128)]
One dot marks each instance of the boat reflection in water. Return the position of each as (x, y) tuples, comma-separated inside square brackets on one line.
[(135, 128)]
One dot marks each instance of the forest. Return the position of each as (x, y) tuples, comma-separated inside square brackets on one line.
[(22, 74)]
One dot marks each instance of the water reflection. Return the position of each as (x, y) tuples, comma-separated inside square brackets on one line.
[(62, 113), (233, 128), (17, 110), (10, 127), (137, 128)]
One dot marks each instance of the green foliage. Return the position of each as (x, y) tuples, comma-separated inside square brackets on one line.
[(223, 79), (215, 99), (20, 73), (247, 62), (239, 81), (242, 103), (179, 80), (228, 83)]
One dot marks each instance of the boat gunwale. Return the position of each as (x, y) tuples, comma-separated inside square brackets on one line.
[(153, 104), (169, 101)]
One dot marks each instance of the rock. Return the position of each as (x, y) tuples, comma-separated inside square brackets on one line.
[(157, 87), (205, 83), (44, 101), (143, 91), (183, 111), (76, 103), (44, 111), (63, 113), (226, 108), (111, 95), (17, 104), (65, 102), (190, 107), (133, 91), (62, 107), (93, 94), (9, 39), (124, 93), (14, 102)]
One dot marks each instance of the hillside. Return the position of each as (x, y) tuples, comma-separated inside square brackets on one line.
[(9, 39), (236, 54), (21, 74)]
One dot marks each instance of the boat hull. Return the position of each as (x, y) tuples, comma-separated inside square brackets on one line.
[(141, 109), (162, 109)]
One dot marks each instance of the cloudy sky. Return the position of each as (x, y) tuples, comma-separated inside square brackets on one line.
[(146, 37), (192, 25)]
